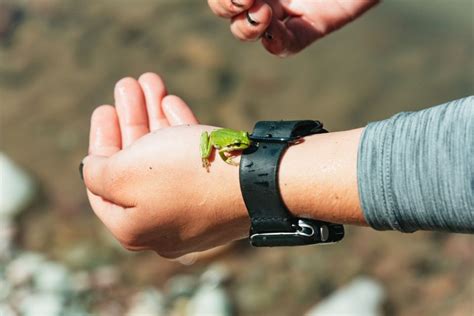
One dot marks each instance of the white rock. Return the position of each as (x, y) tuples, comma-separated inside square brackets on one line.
[(209, 300), (181, 286), (81, 281), (362, 297), (6, 310), (16, 188), (7, 235), (148, 302), (5, 289), (52, 277), (18, 295), (23, 267), (106, 276), (215, 275), (50, 304)]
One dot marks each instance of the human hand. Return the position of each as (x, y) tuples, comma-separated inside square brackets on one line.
[(287, 26), (145, 179)]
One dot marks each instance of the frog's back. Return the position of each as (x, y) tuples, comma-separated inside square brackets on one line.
[(224, 136)]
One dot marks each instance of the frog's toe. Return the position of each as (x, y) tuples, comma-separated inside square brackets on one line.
[(230, 161)]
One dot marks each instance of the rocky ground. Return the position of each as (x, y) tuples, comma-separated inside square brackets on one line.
[(60, 59)]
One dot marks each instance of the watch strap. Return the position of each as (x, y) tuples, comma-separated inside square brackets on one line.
[(272, 223)]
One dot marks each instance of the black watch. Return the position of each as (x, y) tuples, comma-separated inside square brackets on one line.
[(271, 222)]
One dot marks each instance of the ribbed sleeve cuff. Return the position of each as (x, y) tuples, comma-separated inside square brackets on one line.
[(374, 167)]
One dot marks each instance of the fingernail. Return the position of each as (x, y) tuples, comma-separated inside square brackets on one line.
[(237, 3), (268, 36), (250, 19), (81, 166)]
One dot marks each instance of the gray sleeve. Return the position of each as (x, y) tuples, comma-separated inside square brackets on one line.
[(416, 170)]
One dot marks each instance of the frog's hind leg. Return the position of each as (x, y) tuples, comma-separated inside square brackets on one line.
[(205, 150), (227, 159)]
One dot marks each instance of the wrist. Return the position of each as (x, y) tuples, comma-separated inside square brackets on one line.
[(318, 178)]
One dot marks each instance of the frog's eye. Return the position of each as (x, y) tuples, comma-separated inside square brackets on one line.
[(237, 144)]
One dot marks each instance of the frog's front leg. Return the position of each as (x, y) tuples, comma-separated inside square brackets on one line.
[(227, 159), (205, 149)]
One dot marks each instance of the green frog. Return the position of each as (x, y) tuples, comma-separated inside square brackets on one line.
[(224, 140)]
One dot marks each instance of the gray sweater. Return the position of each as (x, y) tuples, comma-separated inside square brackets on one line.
[(416, 170)]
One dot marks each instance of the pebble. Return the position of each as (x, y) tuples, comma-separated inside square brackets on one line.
[(50, 304), (6, 310), (7, 235), (211, 298), (106, 276), (181, 285), (52, 277), (23, 267), (362, 297), (16, 188), (147, 302)]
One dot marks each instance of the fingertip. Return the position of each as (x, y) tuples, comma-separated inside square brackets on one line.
[(97, 176), (260, 13), (123, 84), (229, 8), (151, 79), (275, 39), (104, 137), (131, 110), (250, 25), (177, 111), (89, 173), (103, 111)]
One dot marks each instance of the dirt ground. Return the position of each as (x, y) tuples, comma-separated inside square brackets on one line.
[(60, 59)]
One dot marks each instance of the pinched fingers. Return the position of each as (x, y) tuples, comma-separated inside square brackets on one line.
[(251, 24), (229, 8)]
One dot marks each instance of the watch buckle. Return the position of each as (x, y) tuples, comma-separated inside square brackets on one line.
[(305, 233)]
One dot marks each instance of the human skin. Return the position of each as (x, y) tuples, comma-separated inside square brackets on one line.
[(286, 27), (146, 182)]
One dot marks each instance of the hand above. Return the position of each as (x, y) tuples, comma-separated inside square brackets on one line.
[(287, 26), (145, 178)]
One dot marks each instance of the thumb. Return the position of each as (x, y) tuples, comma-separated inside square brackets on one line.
[(284, 38), (97, 176)]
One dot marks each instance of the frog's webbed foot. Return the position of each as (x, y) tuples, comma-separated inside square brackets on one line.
[(227, 159), (205, 163), (230, 161)]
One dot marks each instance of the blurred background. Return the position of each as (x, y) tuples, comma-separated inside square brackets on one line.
[(59, 59)]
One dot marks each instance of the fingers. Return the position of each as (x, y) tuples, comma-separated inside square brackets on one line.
[(309, 21), (177, 111), (131, 110), (289, 37), (104, 138), (104, 141), (97, 175), (251, 24), (154, 90), (229, 8)]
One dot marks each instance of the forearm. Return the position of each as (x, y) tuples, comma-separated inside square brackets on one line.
[(318, 178), (416, 170)]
